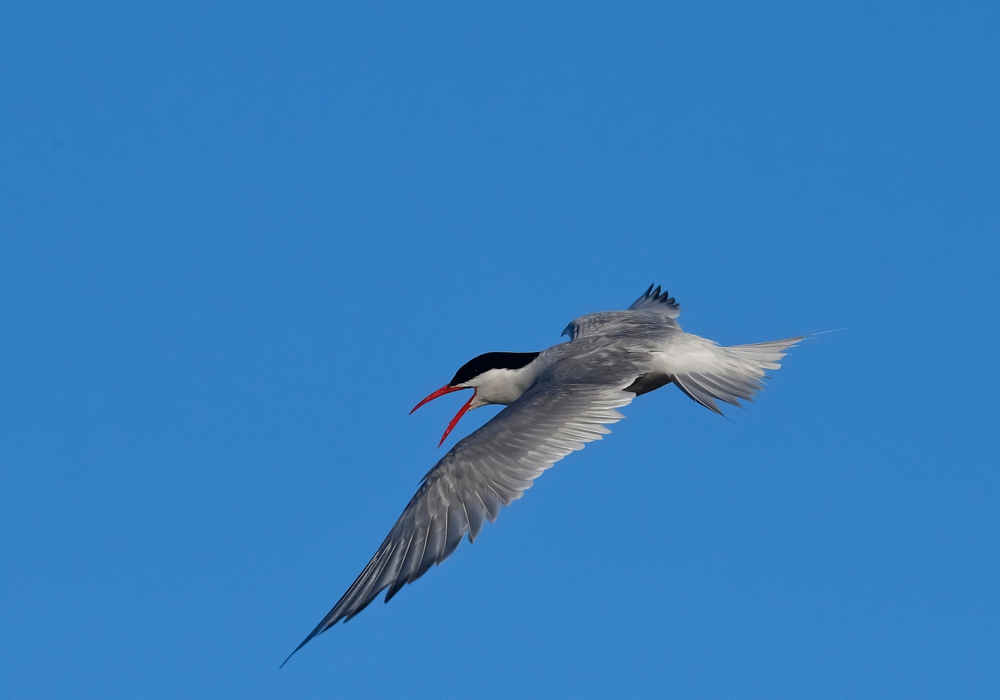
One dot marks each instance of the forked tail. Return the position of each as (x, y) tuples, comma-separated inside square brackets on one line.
[(708, 372)]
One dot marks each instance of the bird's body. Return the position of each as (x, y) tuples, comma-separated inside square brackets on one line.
[(557, 400)]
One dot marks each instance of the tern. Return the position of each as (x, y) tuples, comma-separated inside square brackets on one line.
[(557, 401)]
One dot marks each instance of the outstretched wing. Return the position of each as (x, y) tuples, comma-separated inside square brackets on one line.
[(664, 308), (487, 470)]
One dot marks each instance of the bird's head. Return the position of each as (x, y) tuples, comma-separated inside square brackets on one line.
[(495, 378)]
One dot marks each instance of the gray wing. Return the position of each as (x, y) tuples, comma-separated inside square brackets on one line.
[(487, 470), (655, 300), (657, 312)]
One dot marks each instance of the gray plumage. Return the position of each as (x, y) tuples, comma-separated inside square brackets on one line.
[(573, 390)]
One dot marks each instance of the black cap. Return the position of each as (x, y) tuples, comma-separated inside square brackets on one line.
[(492, 360)]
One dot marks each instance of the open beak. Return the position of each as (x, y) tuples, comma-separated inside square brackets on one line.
[(458, 416)]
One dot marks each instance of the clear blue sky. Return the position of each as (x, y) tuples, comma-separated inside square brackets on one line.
[(239, 242)]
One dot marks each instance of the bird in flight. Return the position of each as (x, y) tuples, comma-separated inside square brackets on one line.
[(557, 401)]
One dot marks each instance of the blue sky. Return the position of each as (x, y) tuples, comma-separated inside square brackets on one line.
[(239, 242)]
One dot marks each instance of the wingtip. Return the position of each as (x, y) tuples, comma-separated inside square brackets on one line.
[(655, 294), (293, 653), (321, 627)]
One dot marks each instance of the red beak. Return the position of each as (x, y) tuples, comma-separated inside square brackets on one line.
[(458, 416)]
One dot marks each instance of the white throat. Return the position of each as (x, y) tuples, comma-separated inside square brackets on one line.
[(502, 386)]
